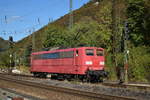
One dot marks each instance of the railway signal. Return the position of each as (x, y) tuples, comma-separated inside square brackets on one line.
[(11, 61)]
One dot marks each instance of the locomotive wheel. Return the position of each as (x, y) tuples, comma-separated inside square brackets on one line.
[(40, 75), (43, 75), (60, 77), (88, 78), (35, 74), (68, 77), (93, 78), (54, 77)]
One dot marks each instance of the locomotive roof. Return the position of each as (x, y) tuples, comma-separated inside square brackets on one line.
[(60, 50)]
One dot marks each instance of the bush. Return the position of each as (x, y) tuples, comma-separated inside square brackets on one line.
[(139, 64), (110, 67)]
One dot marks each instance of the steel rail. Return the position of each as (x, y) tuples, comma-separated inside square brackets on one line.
[(74, 92), (137, 86), (115, 85)]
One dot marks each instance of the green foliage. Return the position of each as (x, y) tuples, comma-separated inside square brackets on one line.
[(56, 37), (89, 33), (109, 67), (27, 53), (3, 44), (4, 59), (138, 19), (146, 23), (139, 63), (113, 70), (6, 56), (83, 33), (138, 13)]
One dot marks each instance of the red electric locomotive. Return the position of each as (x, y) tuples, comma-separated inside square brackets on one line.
[(86, 63)]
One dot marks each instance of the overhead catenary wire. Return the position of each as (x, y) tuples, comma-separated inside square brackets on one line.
[(9, 19)]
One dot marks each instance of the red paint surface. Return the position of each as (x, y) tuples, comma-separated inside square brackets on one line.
[(75, 65)]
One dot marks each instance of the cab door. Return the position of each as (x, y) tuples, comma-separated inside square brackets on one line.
[(77, 62)]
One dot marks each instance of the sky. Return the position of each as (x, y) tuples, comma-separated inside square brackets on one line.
[(19, 18)]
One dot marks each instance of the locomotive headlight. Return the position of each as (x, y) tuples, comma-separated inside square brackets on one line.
[(101, 63), (88, 62)]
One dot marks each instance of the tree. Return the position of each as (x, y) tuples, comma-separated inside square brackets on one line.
[(139, 63), (89, 33), (4, 59), (146, 23), (27, 54), (56, 37), (135, 13)]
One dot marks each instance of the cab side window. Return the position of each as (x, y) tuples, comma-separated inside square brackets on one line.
[(89, 52), (99, 52)]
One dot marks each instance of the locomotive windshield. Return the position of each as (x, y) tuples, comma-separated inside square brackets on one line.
[(89, 52), (99, 52)]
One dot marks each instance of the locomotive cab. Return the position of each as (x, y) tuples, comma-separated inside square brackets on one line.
[(93, 58), (94, 62)]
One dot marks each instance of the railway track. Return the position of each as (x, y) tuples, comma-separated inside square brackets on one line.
[(144, 87), (7, 94), (65, 92), (110, 84)]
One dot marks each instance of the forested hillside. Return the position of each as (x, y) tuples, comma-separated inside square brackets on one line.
[(101, 23), (3, 45)]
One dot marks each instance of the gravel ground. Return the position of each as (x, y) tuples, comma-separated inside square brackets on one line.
[(98, 88), (9, 94), (138, 94)]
